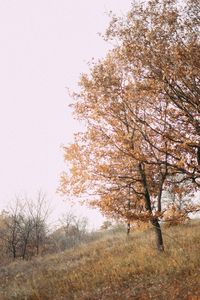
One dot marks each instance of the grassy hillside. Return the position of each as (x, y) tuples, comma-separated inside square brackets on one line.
[(112, 268)]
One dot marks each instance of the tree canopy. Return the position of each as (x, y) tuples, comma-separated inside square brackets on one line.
[(141, 108)]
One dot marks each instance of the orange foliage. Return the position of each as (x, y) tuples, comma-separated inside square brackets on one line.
[(141, 107)]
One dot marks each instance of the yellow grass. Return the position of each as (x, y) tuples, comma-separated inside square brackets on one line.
[(112, 268)]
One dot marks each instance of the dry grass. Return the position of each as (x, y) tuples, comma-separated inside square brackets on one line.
[(112, 268)]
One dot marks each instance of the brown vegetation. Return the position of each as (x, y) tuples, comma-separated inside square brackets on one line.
[(112, 268)]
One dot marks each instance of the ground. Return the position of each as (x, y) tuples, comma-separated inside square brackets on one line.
[(113, 268)]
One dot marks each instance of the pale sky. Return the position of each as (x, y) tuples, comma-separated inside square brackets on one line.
[(44, 46)]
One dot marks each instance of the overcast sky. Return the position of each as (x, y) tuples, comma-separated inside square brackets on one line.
[(45, 45)]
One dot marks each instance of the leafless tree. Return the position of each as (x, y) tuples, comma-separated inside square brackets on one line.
[(75, 228), (26, 227), (39, 211)]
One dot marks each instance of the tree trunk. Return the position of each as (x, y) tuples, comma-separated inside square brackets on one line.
[(24, 249), (129, 209), (154, 221), (158, 232), (26, 240), (13, 251), (37, 249), (198, 155), (128, 228)]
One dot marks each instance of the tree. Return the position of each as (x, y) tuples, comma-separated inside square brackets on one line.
[(3, 249), (39, 211), (160, 44), (75, 229), (140, 105), (12, 234), (71, 232), (25, 227)]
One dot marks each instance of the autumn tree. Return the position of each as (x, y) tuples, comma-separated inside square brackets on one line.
[(139, 135), (159, 42), (116, 158)]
